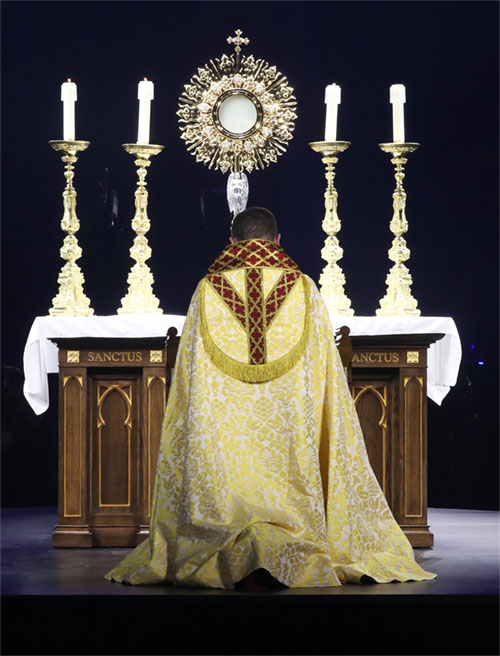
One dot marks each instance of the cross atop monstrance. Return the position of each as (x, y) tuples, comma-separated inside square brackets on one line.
[(238, 40)]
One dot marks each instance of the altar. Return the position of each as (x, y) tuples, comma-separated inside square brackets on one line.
[(117, 367)]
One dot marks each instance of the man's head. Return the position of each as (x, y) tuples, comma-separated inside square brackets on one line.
[(254, 223)]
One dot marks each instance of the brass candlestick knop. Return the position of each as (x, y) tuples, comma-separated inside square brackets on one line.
[(398, 300), (70, 299), (332, 279), (140, 298)]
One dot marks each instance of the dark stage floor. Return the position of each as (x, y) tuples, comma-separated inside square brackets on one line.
[(56, 601)]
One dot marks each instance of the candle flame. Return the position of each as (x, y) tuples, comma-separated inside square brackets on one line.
[(69, 79), (145, 79)]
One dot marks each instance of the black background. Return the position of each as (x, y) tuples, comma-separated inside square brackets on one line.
[(446, 53)]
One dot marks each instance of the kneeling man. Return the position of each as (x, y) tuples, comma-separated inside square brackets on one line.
[(262, 463)]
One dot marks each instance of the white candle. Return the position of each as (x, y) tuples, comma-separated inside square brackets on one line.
[(68, 97), (145, 94), (398, 99), (332, 100)]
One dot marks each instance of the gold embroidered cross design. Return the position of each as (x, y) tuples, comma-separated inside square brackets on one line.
[(255, 313)]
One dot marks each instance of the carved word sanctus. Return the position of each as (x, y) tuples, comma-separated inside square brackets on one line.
[(115, 356), (375, 358)]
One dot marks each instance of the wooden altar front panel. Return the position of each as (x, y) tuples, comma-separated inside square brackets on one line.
[(389, 388), (112, 397)]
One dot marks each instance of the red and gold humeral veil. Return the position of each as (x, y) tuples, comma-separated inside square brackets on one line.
[(262, 463)]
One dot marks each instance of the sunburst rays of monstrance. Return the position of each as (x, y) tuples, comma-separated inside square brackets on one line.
[(237, 114)]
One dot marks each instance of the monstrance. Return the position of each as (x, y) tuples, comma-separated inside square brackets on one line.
[(237, 114)]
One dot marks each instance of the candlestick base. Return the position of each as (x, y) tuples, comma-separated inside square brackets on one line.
[(398, 300), (140, 298), (332, 279), (70, 299)]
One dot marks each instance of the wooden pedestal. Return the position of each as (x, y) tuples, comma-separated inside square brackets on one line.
[(389, 387), (112, 396)]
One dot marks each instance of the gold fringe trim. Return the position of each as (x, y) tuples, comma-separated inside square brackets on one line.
[(255, 373)]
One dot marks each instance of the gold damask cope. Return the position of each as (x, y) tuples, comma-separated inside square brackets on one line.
[(272, 475)]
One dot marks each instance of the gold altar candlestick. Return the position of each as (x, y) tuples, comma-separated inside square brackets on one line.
[(70, 299), (332, 279), (140, 298), (398, 300)]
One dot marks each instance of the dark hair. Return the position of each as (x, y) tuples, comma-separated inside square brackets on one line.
[(254, 223)]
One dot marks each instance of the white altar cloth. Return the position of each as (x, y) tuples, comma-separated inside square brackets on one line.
[(41, 355), (443, 357)]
